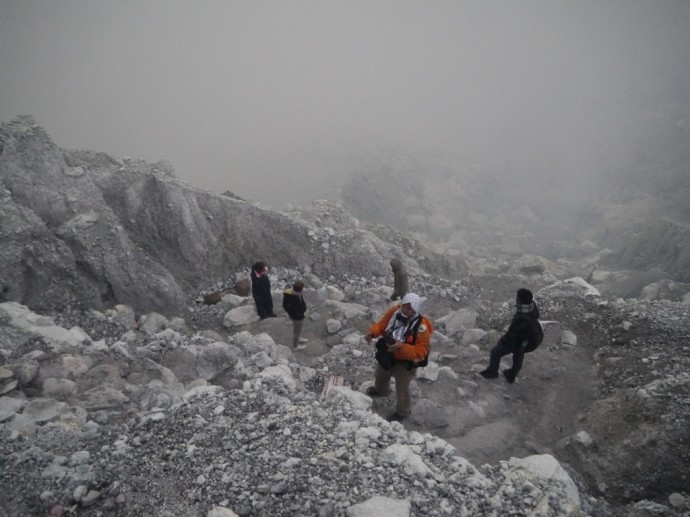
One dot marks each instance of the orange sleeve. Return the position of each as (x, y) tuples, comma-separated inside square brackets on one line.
[(420, 349), (379, 328)]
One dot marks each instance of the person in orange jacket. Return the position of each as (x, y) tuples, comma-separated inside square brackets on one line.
[(403, 346)]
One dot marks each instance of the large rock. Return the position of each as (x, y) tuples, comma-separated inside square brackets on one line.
[(458, 321), (546, 468), (78, 225), (215, 358), (662, 243), (66, 236), (19, 325), (240, 316), (666, 290)]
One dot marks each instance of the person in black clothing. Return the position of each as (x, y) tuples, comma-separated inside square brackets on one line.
[(516, 339), (296, 307), (400, 285), (261, 291)]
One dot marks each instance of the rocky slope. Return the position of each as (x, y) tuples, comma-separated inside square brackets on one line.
[(109, 408), (82, 227), (168, 423), (213, 412), (634, 217)]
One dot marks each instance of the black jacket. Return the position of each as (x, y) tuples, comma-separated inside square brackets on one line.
[(261, 287), (521, 327), (261, 291), (294, 304)]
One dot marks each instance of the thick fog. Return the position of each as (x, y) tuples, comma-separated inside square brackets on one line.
[(272, 99)]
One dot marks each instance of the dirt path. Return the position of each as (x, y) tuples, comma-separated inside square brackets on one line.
[(495, 420), (486, 420)]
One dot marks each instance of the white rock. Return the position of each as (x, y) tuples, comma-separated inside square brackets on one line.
[(458, 321), (153, 323), (642, 394), (346, 311), (429, 372), (333, 326), (43, 410), (79, 334), (121, 348), (569, 338), (79, 458), (8, 387), (240, 316), (203, 391), (436, 445), (12, 404), (59, 388), (546, 467), (590, 290), (479, 410), (364, 435), (80, 492), (124, 315), (281, 373), (233, 300), (356, 399), (214, 359), (220, 511), (447, 371), (20, 324), (599, 275), (399, 454), (677, 500), (472, 336), (333, 293), (584, 438)]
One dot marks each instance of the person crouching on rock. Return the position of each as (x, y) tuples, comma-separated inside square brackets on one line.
[(261, 291), (296, 308), (516, 338), (403, 346)]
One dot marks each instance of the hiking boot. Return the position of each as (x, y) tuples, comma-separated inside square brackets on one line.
[(300, 347), (396, 417), (488, 374), (509, 375), (373, 392)]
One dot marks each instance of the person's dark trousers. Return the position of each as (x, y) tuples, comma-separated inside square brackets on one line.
[(499, 351), (264, 307)]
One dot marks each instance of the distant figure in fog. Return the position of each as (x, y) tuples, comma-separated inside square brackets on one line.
[(400, 286), (261, 291), (296, 307), (521, 337)]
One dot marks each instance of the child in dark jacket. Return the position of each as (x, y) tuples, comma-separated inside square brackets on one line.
[(516, 340), (296, 307)]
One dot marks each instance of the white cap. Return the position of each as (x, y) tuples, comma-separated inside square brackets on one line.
[(414, 300)]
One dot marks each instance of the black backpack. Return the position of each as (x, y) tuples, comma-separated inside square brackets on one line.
[(386, 359), (536, 336)]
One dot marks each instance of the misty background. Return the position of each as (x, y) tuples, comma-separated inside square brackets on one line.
[(279, 101), (499, 144)]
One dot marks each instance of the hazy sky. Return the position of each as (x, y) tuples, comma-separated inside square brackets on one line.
[(256, 96)]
